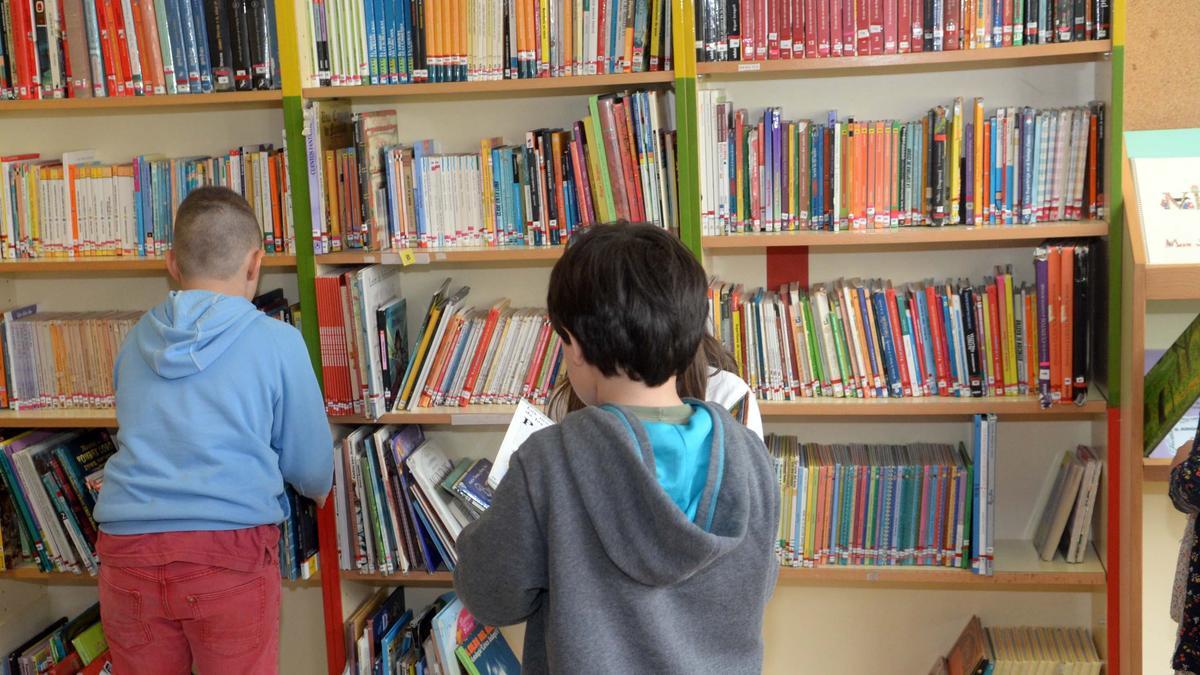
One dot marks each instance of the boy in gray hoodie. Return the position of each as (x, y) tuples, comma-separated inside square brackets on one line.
[(637, 536)]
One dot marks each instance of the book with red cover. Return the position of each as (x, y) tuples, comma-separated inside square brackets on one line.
[(918, 25), (849, 28), (836, 10), (822, 28), (904, 27), (876, 22), (862, 27), (773, 29), (629, 169), (953, 25), (893, 319), (890, 29), (122, 34)]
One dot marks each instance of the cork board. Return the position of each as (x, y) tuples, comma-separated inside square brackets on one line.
[(1162, 64)]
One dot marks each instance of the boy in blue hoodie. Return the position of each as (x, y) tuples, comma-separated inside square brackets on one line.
[(636, 536), (217, 407)]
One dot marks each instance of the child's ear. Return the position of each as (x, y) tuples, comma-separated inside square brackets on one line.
[(255, 267), (573, 351), (173, 268)]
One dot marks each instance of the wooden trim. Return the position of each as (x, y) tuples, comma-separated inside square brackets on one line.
[(59, 418), (159, 104), (111, 264), (496, 255), (427, 579), (915, 237), (968, 59), (1156, 470), (534, 86), (34, 575), (1172, 282)]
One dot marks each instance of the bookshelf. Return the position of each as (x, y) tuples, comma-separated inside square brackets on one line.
[(30, 575), (79, 266), (233, 99), (911, 238), (549, 86)]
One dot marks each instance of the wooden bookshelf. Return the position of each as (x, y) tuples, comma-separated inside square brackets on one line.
[(472, 415), (1156, 470), (495, 255), (34, 575), (250, 99), (968, 59), (411, 579), (541, 86), (108, 264), (1172, 282), (59, 418), (911, 237)]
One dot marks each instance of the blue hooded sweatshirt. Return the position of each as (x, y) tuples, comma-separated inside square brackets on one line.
[(218, 406)]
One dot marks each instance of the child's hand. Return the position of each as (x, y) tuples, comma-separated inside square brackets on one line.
[(1181, 453)]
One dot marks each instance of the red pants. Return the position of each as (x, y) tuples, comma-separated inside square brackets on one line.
[(159, 620)]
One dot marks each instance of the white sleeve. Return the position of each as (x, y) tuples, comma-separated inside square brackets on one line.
[(726, 389)]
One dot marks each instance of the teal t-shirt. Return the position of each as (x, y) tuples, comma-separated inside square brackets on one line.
[(681, 438)]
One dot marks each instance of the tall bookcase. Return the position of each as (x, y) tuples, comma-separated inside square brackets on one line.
[(818, 617)]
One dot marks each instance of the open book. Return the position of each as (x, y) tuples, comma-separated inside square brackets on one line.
[(525, 422)]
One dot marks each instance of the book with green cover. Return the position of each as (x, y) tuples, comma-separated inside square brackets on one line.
[(1171, 387), (90, 643)]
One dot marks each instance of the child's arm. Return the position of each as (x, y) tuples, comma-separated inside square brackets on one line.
[(501, 571), (300, 433), (1185, 479)]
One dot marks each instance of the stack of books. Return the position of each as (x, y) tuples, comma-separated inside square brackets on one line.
[(81, 49), (1023, 649), (872, 339), (769, 30), (76, 207), (372, 191), (957, 165)]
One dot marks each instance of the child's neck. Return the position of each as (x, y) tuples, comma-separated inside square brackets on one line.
[(623, 391), (231, 287)]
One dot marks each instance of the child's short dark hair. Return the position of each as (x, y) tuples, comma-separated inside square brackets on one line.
[(214, 230), (634, 297)]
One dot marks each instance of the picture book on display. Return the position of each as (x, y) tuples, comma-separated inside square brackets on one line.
[(1171, 388), (1183, 432), (83, 49), (64, 647), (404, 41), (856, 338), (918, 504), (373, 190), (74, 206), (1168, 200), (956, 165), (385, 637), (462, 355), (770, 30)]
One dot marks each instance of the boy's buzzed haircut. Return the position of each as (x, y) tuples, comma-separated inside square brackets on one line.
[(214, 230), (634, 297)]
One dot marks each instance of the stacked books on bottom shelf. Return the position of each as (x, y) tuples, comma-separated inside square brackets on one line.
[(75, 647), (372, 190), (955, 165), (1065, 524), (462, 356), (919, 504), (1021, 649), (74, 206), (872, 339), (400, 502), (383, 636)]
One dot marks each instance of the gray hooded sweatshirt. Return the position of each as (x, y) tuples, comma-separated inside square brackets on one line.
[(583, 544)]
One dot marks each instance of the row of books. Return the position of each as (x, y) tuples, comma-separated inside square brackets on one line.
[(372, 191), (60, 359), (768, 30), (955, 166), (74, 206), (462, 356), (1065, 524), (872, 339), (82, 49), (1021, 649), (358, 42), (919, 504), (75, 647), (384, 636), (400, 503)]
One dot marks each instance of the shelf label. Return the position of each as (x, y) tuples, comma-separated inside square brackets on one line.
[(749, 67), (407, 257)]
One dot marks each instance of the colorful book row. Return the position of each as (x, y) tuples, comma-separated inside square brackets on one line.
[(871, 339), (359, 42), (94, 48), (955, 166), (372, 192), (75, 207), (917, 504), (768, 30)]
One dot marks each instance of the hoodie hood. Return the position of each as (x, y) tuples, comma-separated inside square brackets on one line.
[(653, 541), (192, 329)]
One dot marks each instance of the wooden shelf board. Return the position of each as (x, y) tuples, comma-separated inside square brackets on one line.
[(923, 237), (1172, 282), (271, 98), (1156, 470), (541, 85), (109, 264), (59, 418), (473, 415), (501, 255), (410, 579), (34, 575), (952, 60), (1017, 568)]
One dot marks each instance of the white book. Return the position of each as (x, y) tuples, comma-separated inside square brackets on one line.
[(429, 466), (1058, 506), (525, 421), (1075, 541)]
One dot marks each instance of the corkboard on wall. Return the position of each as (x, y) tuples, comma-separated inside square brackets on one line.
[(1162, 64)]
